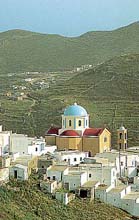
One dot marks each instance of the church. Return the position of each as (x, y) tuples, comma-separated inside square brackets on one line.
[(75, 133)]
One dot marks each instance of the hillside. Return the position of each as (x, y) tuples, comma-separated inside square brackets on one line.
[(109, 92), (27, 51), (24, 201)]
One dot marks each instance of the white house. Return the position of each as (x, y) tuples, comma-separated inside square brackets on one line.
[(70, 157), (49, 185), (130, 203), (56, 172), (97, 172), (19, 143), (19, 172), (74, 179), (124, 162)]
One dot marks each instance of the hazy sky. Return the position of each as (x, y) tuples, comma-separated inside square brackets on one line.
[(67, 17)]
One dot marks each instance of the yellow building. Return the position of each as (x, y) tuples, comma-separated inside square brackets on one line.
[(75, 133), (122, 138)]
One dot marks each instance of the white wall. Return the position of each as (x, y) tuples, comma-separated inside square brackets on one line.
[(58, 174), (22, 173), (19, 143), (72, 158), (4, 142), (75, 180)]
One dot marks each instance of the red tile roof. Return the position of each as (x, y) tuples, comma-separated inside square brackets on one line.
[(70, 133), (52, 130), (93, 131)]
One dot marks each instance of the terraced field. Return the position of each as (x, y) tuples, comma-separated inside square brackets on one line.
[(109, 92)]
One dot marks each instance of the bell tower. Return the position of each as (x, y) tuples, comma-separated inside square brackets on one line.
[(122, 138)]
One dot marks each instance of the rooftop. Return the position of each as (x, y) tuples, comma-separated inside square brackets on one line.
[(58, 168), (75, 110), (23, 160), (118, 189), (89, 184), (132, 195)]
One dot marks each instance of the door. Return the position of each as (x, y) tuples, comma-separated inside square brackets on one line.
[(15, 174)]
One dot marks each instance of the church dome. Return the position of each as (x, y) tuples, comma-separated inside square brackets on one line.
[(70, 133), (75, 110)]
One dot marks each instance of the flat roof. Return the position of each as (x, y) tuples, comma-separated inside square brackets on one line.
[(132, 195), (58, 168), (20, 166), (102, 187), (74, 173), (89, 184), (118, 189), (68, 152), (23, 160)]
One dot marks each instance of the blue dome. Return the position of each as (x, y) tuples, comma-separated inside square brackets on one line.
[(75, 110)]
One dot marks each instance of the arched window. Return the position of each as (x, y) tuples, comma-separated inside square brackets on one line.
[(79, 122), (69, 122)]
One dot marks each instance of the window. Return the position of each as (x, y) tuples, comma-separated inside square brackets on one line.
[(79, 122), (54, 177), (63, 123), (81, 158), (125, 145), (105, 139), (36, 149), (42, 167), (120, 146), (86, 122), (125, 136), (122, 163), (89, 175), (65, 159), (120, 135), (69, 122), (75, 159)]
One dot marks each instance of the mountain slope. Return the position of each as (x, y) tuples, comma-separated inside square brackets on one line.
[(109, 92), (28, 51), (24, 201)]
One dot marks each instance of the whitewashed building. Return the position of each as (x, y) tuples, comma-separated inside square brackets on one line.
[(74, 179), (19, 172), (70, 157), (56, 172)]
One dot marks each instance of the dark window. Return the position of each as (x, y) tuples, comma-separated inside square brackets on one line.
[(75, 159), (125, 136), (120, 135), (54, 177), (125, 145), (65, 159), (122, 163), (89, 175), (105, 139), (81, 158), (63, 122), (69, 122), (36, 149), (42, 166), (120, 146), (79, 122)]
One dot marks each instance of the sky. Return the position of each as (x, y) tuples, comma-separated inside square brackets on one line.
[(67, 17)]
